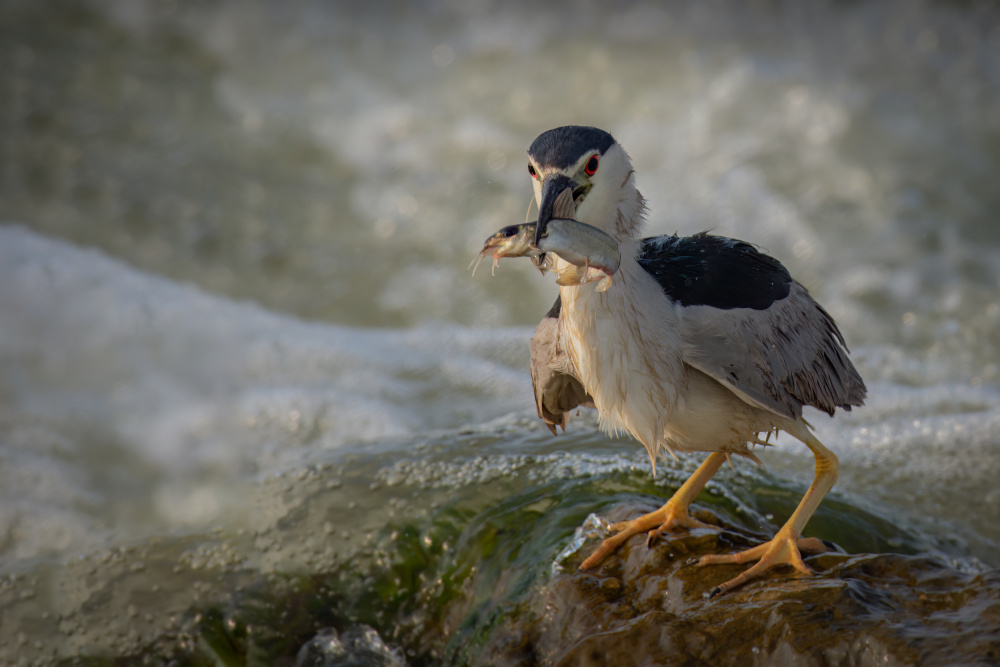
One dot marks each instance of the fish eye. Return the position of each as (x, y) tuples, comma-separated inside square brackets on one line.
[(507, 232), (591, 165), (531, 170)]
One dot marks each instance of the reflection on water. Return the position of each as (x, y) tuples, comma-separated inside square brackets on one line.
[(201, 204)]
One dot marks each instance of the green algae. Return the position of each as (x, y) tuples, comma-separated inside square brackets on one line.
[(472, 582)]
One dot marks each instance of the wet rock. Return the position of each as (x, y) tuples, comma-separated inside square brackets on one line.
[(647, 606), (490, 577), (359, 646)]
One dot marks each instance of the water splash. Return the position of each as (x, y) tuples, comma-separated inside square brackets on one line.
[(358, 645), (593, 527)]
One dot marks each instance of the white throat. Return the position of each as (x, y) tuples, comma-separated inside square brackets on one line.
[(622, 214), (628, 374)]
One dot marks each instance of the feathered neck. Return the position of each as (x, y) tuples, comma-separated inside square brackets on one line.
[(628, 220)]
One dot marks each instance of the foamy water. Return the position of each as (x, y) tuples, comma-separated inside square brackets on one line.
[(235, 244)]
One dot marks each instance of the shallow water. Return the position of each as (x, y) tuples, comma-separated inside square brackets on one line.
[(239, 346)]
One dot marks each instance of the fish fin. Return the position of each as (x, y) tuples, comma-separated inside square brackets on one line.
[(564, 206), (605, 284), (569, 276), (592, 274)]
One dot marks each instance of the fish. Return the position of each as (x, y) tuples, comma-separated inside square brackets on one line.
[(582, 245), (591, 253), (512, 241)]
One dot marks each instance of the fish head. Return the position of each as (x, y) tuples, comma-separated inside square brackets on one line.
[(501, 238)]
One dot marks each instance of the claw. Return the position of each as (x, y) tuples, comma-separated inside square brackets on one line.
[(651, 538)]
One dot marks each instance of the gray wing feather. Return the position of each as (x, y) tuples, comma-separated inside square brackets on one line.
[(781, 358), (557, 389)]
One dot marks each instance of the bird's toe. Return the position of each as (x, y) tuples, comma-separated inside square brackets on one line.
[(782, 550)]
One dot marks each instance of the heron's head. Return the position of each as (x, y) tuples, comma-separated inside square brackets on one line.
[(591, 163)]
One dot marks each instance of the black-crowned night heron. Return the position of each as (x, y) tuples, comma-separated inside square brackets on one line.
[(702, 344)]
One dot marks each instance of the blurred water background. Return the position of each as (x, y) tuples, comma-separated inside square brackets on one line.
[(239, 340)]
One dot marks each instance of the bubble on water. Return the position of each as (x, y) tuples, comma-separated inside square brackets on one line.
[(442, 55)]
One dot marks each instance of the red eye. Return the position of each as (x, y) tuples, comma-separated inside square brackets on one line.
[(531, 170), (591, 165)]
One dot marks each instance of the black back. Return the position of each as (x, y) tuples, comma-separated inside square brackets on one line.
[(706, 270)]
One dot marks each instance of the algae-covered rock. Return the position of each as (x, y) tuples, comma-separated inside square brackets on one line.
[(486, 581), (647, 606), (477, 564)]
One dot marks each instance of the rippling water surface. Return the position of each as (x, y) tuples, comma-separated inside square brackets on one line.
[(239, 343)]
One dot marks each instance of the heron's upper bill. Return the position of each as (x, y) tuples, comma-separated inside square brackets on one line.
[(555, 188)]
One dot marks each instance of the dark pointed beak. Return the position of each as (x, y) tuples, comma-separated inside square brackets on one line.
[(552, 187)]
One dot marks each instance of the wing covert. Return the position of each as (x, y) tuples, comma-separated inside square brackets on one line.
[(747, 324), (706, 270)]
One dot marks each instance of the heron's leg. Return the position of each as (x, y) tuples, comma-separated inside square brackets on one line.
[(784, 548), (673, 514)]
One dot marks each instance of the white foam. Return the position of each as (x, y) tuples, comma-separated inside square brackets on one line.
[(194, 393)]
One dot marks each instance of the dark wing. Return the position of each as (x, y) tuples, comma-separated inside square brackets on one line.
[(557, 390), (747, 324), (705, 270)]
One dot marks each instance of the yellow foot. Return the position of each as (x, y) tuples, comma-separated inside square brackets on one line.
[(663, 520), (782, 550)]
